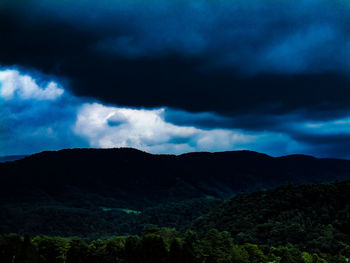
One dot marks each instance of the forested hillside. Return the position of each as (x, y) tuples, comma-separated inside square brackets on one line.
[(95, 193), (304, 224), (123, 205), (93, 222), (312, 217), (154, 246)]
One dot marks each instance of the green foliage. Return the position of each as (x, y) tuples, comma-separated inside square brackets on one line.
[(28, 252), (176, 252), (255, 253), (163, 246), (10, 247), (306, 257), (85, 217), (152, 249), (217, 247), (239, 255), (77, 253), (52, 249), (311, 217), (305, 224)]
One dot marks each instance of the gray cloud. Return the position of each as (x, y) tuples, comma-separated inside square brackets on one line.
[(255, 36)]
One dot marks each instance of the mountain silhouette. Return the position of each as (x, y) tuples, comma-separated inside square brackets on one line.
[(142, 178)]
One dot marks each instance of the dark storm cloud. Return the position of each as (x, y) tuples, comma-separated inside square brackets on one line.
[(229, 57), (326, 145), (251, 121)]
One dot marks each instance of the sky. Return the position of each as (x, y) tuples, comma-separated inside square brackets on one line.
[(175, 76)]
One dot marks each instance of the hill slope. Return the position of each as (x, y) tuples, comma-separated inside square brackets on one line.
[(313, 217), (112, 191)]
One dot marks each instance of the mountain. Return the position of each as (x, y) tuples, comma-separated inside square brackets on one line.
[(313, 217), (140, 178), (117, 191)]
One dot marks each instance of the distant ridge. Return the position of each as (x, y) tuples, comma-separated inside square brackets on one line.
[(129, 150), (152, 178)]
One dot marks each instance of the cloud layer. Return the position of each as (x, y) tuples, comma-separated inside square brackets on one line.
[(48, 117)]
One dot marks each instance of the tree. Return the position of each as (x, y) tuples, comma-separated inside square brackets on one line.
[(78, 251), (52, 249), (217, 247), (132, 250), (176, 253), (10, 246), (255, 254), (239, 255), (190, 247), (28, 252), (153, 249)]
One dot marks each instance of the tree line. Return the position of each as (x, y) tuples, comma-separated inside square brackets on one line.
[(158, 245)]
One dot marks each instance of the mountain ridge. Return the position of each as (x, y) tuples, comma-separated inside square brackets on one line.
[(228, 172), (130, 149)]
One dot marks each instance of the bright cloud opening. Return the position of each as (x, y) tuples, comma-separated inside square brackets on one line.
[(13, 84), (109, 127)]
